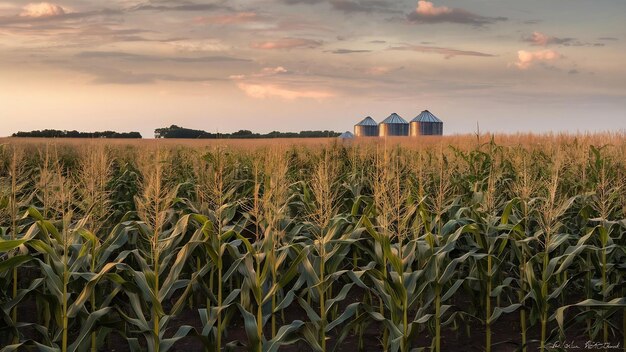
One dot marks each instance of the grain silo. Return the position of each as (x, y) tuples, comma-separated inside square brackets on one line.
[(392, 126), (426, 124), (366, 128), (346, 135)]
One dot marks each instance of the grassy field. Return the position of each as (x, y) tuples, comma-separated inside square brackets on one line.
[(476, 243)]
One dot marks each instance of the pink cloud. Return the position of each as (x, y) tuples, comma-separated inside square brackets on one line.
[(447, 52), (200, 45), (427, 12), (525, 59), (237, 18), (7, 6), (541, 39), (377, 70), (427, 8), (273, 70), (265, 72), (265, 91), (287, 43), (42, 9)]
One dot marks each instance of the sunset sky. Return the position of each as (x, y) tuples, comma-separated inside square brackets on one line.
[(290, 65)]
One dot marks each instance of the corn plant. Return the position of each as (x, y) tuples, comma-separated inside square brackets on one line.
[(13, 200), (543, 288), (321, 268), (159, 287), (491, 238), (160, 259), (259, 289), (523, 192)]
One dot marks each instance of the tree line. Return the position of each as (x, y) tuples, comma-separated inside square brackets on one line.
[(180, 132), (76, 134), (175, 132)]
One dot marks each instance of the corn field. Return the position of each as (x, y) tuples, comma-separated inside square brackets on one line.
[(468, 244)]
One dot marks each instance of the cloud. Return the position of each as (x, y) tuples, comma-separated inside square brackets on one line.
[(7, 6), (107, 75), (291, 25), (611, 39), (447, 52), (426, 8), (526, 59), (182, 6), (349, 51), (101, 33), (380, 70), (287, 43), (151, 58), (189, 45), (42, 9), (352, 6), (274, 70), (541, 39), (228, 19), (427, 12), (81, 33), (265, 72), (33, 15), (265, 91), (309, 2), (367, 6)]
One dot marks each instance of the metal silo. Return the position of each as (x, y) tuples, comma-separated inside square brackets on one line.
[(366, 128), (346, 135), (394, 125), (426, 124)]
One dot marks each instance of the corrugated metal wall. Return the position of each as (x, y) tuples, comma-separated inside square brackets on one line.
[(366, 131), (426, 129), (393, 129)]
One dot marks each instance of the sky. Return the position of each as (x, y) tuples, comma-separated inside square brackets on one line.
[(290, 65)]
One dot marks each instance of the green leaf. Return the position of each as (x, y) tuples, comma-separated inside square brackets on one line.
[(183, 331), (87, 327), (591, 303), (283, 336), (498, 311), (250, 325), (14, 262), (9, 245), (350, 310), (452, 290)]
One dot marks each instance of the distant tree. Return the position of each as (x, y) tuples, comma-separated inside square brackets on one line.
[(318, 134), (242, 133), (180, 132), (76, 134)]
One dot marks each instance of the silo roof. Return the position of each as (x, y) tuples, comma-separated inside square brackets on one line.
[(394, 119), (368, 121), (346, 135), (426, 116)]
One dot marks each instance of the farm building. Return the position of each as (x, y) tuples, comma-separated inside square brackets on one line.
[(392, 126), (366, 128), (426, 124), (346, 135)]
